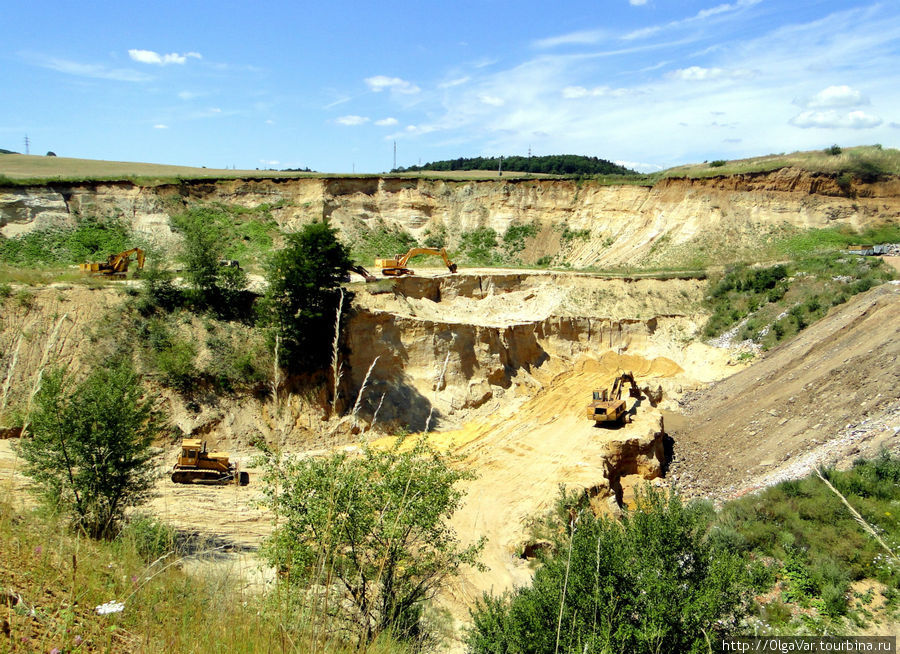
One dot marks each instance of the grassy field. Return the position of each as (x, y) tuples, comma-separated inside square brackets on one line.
[(20, 169), (885, 160), (864, 160)]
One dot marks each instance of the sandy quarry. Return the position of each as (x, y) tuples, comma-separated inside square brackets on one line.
[(504, 364)]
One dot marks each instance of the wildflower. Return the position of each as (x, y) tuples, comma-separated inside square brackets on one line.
[(78, 640), (38, 550), (55, 650), (110, 607)]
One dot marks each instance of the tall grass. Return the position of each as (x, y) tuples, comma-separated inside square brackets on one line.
[(57, 578)]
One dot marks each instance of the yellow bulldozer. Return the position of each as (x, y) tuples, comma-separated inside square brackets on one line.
[(115, 264), (197, 466), (608, 407), (396, 266)]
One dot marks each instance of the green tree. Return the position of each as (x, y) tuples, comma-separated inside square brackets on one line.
[(90, 448), (204, 244), (299, 305), (373, 527), (652, 583)]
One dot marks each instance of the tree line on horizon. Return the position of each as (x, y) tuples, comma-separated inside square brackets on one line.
[(554, 164)]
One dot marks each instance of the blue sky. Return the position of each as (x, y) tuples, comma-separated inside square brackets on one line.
[(332, 85)]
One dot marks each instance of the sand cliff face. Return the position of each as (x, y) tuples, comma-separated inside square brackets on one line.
[(618, 224)]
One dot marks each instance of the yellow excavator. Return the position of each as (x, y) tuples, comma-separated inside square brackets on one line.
[(116, 264), (396, 266), (608, 406), (197, 466)]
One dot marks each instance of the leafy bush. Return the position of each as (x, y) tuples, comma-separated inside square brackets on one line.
[(371, 527), (204, 246), (654, 583), (718, 163), (5, 291), (89, 454), (150, 537), (834, 150)]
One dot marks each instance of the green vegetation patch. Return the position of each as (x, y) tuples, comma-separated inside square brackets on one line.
[(813, 546), (478, 246), (380, 242), (780, 301), (91, 239)]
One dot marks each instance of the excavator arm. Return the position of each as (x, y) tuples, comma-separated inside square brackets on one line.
[(397, 265)]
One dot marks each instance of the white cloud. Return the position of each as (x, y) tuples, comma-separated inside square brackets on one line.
[(582, 37), (575, 92), (700, 16), (189, 95), (270, 122), (269, 162), (637, 3), (453, 82), (386, 122), (836, 96), (699, 74), (351, 120), (160, 126), (492, 100), (835, 119), (379, 83), (151, 57), (95, 71)]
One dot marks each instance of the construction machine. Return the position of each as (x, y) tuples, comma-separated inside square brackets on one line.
[(608, 407), (397, 266), (116, 264), (197, 466)]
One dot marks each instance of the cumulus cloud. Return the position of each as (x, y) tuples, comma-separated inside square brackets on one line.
[(379, 83), (151, 57), (699, 74), (351, 120), (386, 122), (835, 119), (637, 3), (836, 96), (160, 126)]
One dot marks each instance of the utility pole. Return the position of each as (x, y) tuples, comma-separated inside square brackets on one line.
[(27, 145), (500, 167), (395, 156)]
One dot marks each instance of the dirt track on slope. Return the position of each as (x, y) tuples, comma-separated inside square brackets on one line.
[(827, 396)]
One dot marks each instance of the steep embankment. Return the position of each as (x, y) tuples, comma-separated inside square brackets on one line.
[(577, 223), (825, 397)]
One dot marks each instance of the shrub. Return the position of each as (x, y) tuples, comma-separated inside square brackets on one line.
[(204, 245), (150, 538), (654, 583), (90, 450), (718, 163), (372, 526), (834, 150)]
